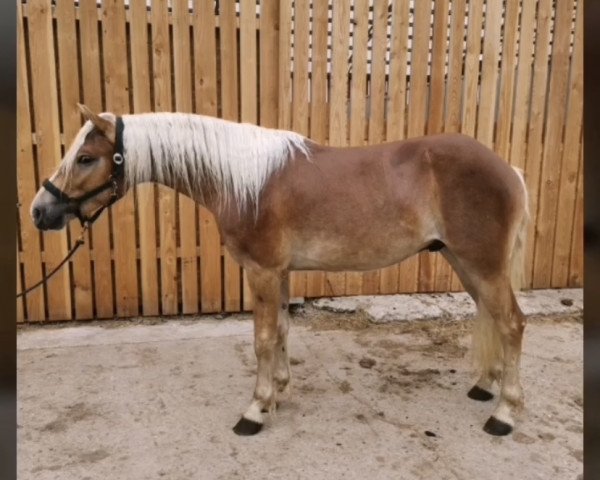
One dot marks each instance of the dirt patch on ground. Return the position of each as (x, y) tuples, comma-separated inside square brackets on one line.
[(70, 415), (392, 393), (322, 320)]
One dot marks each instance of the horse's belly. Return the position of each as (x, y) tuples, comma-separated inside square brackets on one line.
[(332, 255)]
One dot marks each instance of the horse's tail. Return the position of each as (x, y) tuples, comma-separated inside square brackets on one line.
[(518, 252)]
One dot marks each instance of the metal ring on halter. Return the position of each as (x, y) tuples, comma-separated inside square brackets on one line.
[(118, 158)]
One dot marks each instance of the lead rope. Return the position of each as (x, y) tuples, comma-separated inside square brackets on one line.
[(80, 241)]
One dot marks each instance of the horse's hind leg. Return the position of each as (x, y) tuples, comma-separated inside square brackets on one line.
[(507, 324), (497, 340), (491, 366), (266, 290)]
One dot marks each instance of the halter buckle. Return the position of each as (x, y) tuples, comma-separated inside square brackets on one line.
[(118, 158)]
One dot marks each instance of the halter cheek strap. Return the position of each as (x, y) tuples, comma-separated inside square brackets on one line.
[(118, 171)]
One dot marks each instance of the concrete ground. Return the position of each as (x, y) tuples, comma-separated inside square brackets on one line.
[(157, 399)]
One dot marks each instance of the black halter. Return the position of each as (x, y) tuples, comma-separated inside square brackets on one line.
[(118, 171)]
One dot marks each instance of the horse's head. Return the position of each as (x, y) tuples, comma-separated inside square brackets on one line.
[(89, 177)]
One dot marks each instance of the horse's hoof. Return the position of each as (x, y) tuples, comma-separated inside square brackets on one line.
[(247, 427), (479, 394), (497, 427)]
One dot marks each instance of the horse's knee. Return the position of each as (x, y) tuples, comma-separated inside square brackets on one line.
[(265, 343)]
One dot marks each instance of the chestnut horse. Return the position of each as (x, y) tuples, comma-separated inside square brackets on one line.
[(283, 202)]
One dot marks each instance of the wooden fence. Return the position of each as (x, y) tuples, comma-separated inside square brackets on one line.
[(346, 72)]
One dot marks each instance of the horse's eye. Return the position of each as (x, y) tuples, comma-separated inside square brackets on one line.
[(84, 160)]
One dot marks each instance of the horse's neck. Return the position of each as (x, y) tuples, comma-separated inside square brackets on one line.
[(211, 160)]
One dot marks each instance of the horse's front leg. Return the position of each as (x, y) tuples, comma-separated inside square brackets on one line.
[(282, 361), (265, 286)]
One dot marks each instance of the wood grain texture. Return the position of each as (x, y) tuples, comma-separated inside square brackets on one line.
[(362, 73), (187, 211), (167, 215), (539, 90), (205, 75), (30, 254), (553, 146), (44, 95), (71, 122), (507, 79), (146, 193), (565, 220)]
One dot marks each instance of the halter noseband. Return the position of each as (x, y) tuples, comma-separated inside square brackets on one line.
[(118, 170)]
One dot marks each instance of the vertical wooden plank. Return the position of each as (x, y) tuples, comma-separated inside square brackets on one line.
[(552, 156), (435, 121), (518, 140), (536, 124), (248, 62), (248, 91), (205, 65), (187, 207), (315, 281), (123, 215), (140, 80), (45, 98), (376, 127), (161, 62), (379, 46), (571, 165), (269, 62), (300, 102), (300, 72), (417, 111), (471, 75), (285, 81), (230, 105), (417, 107), (428, 272), (489, 73), (338, 105), (92, 97), (445, 277), (576, 258), (507, 78), (358, 81), (358, 109), (69, 89), (396, 113), (455, 67), (26, 187)]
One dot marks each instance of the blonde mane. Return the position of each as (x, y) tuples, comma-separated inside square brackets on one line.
[(187, 149)]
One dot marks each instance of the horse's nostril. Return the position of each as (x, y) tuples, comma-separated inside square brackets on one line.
[(37, 214)]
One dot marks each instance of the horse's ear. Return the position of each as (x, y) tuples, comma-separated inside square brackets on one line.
[(103, 124)]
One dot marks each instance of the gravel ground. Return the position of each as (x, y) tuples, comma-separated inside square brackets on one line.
[(157, 399)]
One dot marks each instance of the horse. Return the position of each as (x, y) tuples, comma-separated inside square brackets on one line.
[(283, 203)]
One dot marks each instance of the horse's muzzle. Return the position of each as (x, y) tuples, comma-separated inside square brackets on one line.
[(52, 217)]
